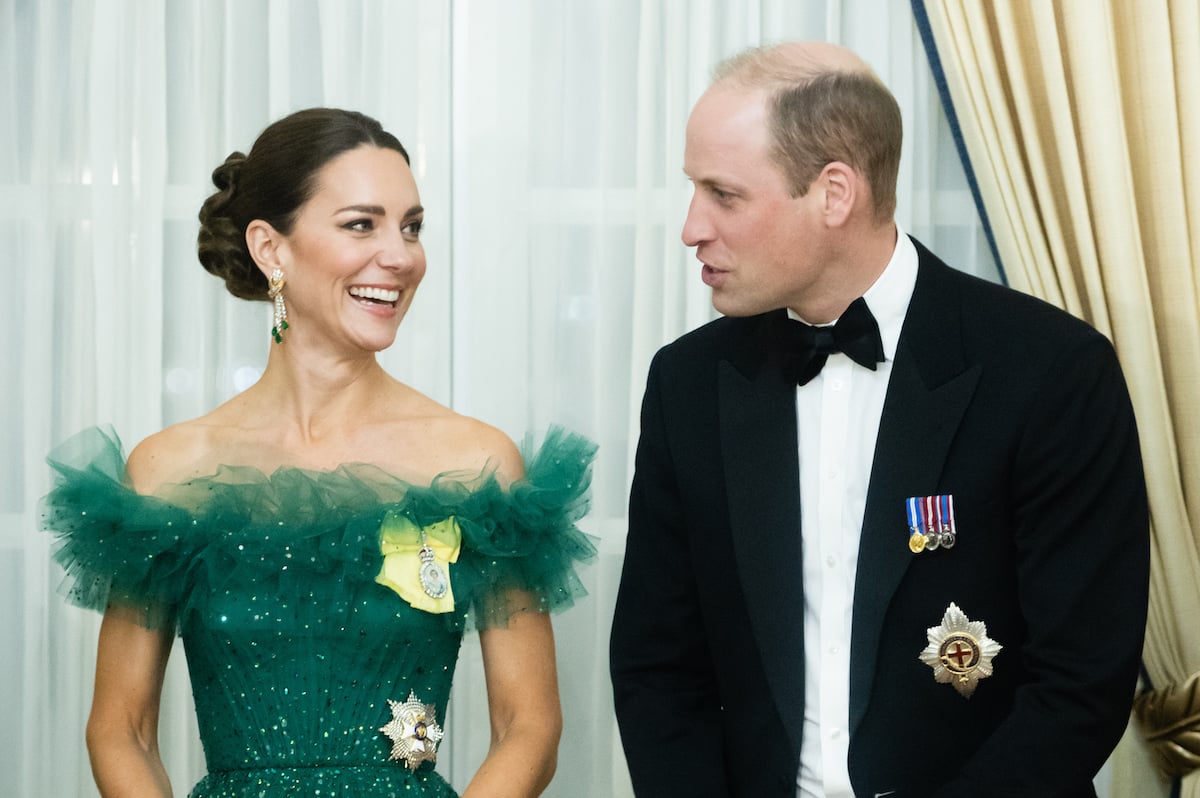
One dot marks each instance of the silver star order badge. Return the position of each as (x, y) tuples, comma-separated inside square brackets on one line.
[(414, 731), (959, 651)]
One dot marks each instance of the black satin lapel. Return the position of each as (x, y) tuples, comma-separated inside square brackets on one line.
[(762, 477), (915, 433)]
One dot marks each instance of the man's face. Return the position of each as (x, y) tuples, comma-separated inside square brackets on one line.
[(761, 247)]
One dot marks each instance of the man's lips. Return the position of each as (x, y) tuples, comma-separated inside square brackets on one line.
[(712, 276)]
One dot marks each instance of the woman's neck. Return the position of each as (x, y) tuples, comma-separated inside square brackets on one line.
[(315, 395)]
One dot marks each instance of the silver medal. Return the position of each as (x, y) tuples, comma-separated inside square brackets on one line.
[(433, 577)]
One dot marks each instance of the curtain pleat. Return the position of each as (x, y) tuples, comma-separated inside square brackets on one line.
[(1081, 123)]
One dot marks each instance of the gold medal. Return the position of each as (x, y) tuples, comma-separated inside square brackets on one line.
[(916, 543)]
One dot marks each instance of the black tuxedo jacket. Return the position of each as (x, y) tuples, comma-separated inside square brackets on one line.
[(1013, 407)]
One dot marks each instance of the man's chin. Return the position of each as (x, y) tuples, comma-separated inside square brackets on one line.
[(728, 307)]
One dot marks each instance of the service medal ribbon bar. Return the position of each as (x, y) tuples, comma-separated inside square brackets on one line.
[(931, 523)]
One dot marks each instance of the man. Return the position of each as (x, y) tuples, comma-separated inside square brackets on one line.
[(920, 570)]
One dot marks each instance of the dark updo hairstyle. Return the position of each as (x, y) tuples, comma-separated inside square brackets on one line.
[(271, 183)]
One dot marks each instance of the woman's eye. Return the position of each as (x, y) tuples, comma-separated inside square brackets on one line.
[(360, 225), (413, 228)]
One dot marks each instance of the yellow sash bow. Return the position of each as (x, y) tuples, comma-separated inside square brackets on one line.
[(400, 542)]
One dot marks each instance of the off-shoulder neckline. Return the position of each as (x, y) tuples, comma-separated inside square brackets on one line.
[(253, 475), (98, 449)]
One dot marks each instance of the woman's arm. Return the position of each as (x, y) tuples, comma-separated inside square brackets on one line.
[(522, 686), (518, 666), (131, 661), (122, 731)]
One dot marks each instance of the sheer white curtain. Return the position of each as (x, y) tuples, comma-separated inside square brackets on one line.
[(547, 143)]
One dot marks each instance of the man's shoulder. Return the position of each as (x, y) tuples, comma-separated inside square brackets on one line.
[(990, 309)]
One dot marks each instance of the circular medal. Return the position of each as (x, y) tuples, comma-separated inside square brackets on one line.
[(948, 538), (932, 541), (959, 653), (433, 577), (916, 543)]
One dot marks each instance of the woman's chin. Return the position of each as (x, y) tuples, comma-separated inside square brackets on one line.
[(377, 340)]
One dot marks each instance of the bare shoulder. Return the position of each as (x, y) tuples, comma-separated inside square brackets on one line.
[(480, 445), (175, 454), (425, 438)]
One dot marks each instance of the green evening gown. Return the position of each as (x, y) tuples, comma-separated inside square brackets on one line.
[(293, 648)]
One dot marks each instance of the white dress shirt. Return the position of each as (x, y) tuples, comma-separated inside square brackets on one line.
[(837, 419)]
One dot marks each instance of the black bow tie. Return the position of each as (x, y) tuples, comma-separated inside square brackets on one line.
[(856, 334)]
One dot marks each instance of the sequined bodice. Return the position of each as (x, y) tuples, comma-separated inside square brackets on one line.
[(296, 633), (281, 681)]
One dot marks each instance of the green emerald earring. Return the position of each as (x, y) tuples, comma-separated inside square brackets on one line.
[(275, 291)]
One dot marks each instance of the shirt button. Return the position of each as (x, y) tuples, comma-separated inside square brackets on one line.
[(831, 561), (837, 385)]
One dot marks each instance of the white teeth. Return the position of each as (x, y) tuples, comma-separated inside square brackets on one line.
[(382, 294)]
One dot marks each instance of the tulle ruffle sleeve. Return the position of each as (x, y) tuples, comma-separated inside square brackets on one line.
[(113, 544), (520, 545), (316, 533), (524, 553)]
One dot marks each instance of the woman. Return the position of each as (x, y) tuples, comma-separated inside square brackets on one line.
[(321, 540)]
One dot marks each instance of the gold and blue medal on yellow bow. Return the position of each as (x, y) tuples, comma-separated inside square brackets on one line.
[(417, 559)]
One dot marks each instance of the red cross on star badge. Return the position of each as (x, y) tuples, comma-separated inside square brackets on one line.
[(959, 651)]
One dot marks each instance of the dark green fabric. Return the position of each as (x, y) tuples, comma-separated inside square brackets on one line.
[(292, 648)]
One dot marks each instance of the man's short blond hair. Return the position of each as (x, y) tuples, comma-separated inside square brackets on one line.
[(823, 107)]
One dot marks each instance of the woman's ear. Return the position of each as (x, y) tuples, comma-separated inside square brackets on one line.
[(265, 245)]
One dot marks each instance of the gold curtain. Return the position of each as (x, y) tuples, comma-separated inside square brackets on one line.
[(1082, 122)]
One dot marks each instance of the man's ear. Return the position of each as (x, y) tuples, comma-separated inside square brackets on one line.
[(842, 189), (266, 246)]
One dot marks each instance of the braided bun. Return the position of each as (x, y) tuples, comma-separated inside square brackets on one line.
[(221, 243)]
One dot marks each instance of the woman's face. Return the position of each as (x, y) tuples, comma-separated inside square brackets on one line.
[(354, 257)]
